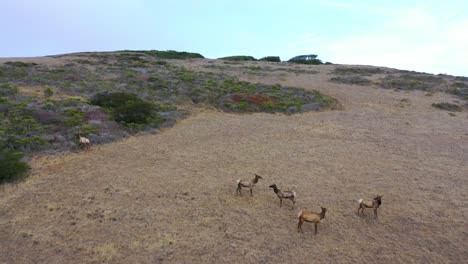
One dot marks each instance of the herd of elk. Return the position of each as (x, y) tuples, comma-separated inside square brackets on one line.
[(305, 215)]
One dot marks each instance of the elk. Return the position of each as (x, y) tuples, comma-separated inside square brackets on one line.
[(309, 216), (291, 195), (83, 142), (247, 184), (375, 204)]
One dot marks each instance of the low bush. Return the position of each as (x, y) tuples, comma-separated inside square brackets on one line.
[(448, 107), (7, 89), (12, 168), (355, 80), (411, 82), (239, 58), (357, 70), (271, 59), (75, 117), (460, 92), (19, 130), (128, 108), (169, 54), (138, 112), (306, 59), (48, 92), (20, 64)]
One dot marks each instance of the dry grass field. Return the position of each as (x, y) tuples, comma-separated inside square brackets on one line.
[(170, 197)]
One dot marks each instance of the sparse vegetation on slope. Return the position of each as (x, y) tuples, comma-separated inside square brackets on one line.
[(357, 80), (306, 59), (106, 96), (412, 82), (357, 71), (239, 58), (12, 168), (447, 107), (271, 59)]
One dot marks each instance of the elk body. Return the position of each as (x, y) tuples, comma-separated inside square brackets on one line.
[(247, 184), (374, 203), (290, 195), (310, 216), (83, 142)]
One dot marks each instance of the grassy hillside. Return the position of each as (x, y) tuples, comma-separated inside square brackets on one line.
[(54, 102)]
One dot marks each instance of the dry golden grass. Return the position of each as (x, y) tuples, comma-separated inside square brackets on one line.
[(171, 197)]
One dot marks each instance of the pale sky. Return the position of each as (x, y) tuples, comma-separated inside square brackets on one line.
[(429, 36)]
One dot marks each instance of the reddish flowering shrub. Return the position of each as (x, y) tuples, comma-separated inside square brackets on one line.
[(256, 99)]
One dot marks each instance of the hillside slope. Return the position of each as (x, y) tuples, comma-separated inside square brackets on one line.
[(170, 197)]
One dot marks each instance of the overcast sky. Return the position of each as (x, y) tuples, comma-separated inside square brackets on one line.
[(430, 36)]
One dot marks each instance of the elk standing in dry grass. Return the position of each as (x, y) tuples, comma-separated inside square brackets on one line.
[(309, 216), (291, 195), (375, 204), (247, 184)]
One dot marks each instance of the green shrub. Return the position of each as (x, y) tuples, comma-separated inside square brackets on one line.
[(239, 58), (87, 129), (48, 92), (357, 70), (306, 59), (7, 89), (115, 99), (355, 80), (127, 107), (19, 130), (460, 92), (412, 82), (20, 64), (138, 112), (12, 166), (271, 59), (169, 54), (75, 117)]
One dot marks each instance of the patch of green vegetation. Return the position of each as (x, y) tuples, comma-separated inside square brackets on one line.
[(128, 108), (459, 85), (448, 107), (169, 54), (185, 75), (13, 168), (7, 89), (460, 92), (87, 129), (411, 82), (271, 59), (48, 92), (75, 117), (240, 96), (239, 58), (461, 78), (355, 80), (357, 70), (21, 64), (306, 59), (160, 62), (19, 131)]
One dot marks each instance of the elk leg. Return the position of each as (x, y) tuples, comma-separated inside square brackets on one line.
[(299, 226)]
